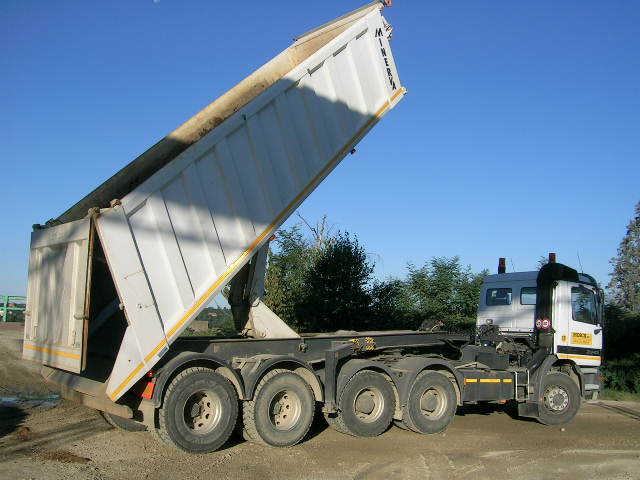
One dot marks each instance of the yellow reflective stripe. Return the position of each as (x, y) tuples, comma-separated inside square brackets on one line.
[(249, 250), (579, 357), (487, 380), (60, 353), (126, 381), (155, 350)]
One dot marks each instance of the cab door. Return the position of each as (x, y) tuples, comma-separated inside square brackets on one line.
[(581, 341)]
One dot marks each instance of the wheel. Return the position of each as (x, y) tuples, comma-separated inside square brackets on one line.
[(334, 422), (366, 406), (281, 411), (400, 424), (560, 399), (120, 423), (431, 404), (199, 411)]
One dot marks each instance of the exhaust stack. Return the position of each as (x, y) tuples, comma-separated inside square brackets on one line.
[(502, 265)]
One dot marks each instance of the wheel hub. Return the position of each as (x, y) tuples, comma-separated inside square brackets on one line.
[(369, 404), (429, 401), (202, 412), (556, 398), (285, 409), (365, 404), (433, 402)]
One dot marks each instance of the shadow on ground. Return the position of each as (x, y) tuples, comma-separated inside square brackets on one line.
[(11, 417)]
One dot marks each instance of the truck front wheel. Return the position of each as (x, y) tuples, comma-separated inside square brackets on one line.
[(431, 405), (560, 400), (199, 411)]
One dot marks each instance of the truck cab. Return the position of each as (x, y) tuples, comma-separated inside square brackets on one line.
[(555, 308)]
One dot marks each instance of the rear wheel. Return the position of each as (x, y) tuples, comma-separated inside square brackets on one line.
[(281, 411), (431, 404), (199, 411), (366, 405), (560, 399)]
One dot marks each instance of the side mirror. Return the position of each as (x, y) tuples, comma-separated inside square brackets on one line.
[(597, 331)]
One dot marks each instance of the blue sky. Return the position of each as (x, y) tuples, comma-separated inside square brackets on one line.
[(520, 134)]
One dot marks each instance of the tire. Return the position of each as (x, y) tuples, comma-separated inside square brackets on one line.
[(199, 411), (560, 399), (431, 404), (281, 411), (335, 423), (126, 424), (366, 406), (401, 425)]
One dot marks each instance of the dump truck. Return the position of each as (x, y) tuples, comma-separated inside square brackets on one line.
[(115, 279)]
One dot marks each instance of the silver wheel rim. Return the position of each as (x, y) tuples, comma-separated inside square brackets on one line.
[(556, 398), (433, 402), (368, 404), (202, 412), (285, 409)]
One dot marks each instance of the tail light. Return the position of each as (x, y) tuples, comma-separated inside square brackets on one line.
[(148, 390)]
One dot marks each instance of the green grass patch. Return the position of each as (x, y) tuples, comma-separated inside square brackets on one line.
[(608, 394)]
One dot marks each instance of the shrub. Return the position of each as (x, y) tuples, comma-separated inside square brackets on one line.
[(623, 374)]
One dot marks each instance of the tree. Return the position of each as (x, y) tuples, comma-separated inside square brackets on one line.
[(336, 288), (385, 312), (323, 282), (542, 261), (625, 279), (286, 269), (441, 290)]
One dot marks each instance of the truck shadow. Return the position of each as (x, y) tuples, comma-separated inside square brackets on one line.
[(11, 418), (488, 408), (25, 441)]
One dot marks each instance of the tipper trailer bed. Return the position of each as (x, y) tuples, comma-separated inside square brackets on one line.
[(116, 278)]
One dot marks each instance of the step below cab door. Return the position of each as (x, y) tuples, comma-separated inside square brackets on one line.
[(579, 336), (57, 306)]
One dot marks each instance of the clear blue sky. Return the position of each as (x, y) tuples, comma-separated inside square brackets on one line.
[(520, 134)]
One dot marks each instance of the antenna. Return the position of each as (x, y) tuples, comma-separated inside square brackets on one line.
[(579, 262), (512, 265)]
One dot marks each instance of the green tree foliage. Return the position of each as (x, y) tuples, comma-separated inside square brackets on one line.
[(325, 283), (220, 323), (621, 354), (286, 273), (385, 312), (336, 294), (625, 279), (441, 290), (622, 314)]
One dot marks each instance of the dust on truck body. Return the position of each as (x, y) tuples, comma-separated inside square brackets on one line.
[(117, 277)]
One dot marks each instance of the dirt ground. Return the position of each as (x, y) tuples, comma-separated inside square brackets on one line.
[(45, 438)]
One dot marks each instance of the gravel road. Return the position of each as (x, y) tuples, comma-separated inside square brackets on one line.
[(61, 440)]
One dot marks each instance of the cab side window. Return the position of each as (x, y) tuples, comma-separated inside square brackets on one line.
[(583, 305), (498, 296), (528, 295)]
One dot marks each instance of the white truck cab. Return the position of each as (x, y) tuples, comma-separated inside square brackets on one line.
[(556, 307)]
